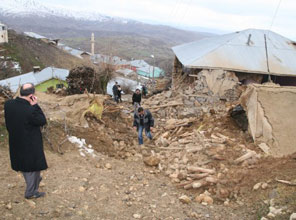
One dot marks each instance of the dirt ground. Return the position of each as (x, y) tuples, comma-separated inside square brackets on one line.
[(116, 184)]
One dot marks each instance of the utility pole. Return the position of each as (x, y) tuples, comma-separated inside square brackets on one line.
[(92, 44), (153, 81)]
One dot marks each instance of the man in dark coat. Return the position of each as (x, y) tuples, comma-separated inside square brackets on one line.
[(115, 92), (143, 120), (119, 93), (144, 91), (137, 97), (23, 119)]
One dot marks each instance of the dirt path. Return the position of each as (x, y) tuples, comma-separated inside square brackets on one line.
[(83, 188)]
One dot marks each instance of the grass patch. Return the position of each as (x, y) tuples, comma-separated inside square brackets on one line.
[(262, 210)]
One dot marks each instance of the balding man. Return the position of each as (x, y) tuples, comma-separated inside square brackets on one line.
[(23, 119)]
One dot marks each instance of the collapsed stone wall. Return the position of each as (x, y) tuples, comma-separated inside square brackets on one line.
[(218, 83), (270, 110)]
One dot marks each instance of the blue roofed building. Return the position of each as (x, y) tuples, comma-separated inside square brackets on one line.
[(150, 71), (43, 79)]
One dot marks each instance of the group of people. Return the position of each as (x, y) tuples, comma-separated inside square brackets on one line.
[(143, 119), (24, 119)]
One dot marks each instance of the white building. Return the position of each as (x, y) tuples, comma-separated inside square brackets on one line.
[(3, 34)]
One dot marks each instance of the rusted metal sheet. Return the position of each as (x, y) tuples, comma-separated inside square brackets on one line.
[(243, 51)]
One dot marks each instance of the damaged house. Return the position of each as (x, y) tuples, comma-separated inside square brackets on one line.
[(220, 65)]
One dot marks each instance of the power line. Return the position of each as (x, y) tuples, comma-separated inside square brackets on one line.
[(276, 11), (175, 10), (185, 12)]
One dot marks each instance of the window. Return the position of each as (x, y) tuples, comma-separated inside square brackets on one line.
[(3, 28)]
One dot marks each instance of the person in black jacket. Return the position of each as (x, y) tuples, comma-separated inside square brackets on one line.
[(23, 119), (115, 92), (143, 120), (119, 93), (137, 97)]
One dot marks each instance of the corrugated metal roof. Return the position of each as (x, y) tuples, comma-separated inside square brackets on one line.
[(139, 63), (125, 72), (115, 60), (73, 51), (243, 51), (148, 71), (36, 78), (34, 35)]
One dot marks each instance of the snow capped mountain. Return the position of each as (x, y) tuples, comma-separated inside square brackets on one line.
[(24, 8)]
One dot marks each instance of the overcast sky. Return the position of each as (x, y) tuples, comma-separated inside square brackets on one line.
[(224, 15)]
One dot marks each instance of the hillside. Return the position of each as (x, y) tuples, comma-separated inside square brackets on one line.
[(31, 52), (114, 35), (130, 47)]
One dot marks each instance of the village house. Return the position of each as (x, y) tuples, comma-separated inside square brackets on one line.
[(47, 40), (3, 33), (262, 61), (42, 80), (252, 54)]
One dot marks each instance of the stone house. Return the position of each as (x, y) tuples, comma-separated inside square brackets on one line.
[(3, 33)]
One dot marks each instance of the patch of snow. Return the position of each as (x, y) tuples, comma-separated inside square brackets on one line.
[(35, 7), (83, 147)]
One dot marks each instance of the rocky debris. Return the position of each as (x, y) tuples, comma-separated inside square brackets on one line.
[(250, 154), (31, 203), (273, 212), (293, 216), (185, 199), (204, 198), (152, 160), (8, 206), (192, 148), (259, 185), (5, 92), (137, 216), (108, 166), (82, 189)]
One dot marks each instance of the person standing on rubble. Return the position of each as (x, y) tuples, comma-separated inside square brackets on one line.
[(119, 93), (115, 92), (23, 119), (144, 91), (143, 120), (137, 97)]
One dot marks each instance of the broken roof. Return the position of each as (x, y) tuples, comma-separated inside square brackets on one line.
[(36, 78), (34, 35), (242, 51)]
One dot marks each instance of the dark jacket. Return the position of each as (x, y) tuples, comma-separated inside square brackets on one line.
[(148, 120), (119, 93), (137, 98), (23, 123), (115, 90)]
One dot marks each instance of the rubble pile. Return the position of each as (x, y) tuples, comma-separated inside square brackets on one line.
[(197, 142), (86, 78), (5, 93), (96, 118)]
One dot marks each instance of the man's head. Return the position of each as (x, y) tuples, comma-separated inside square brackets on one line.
[(27, 89), (138, 91), (140, 111), (116, 83)]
